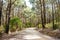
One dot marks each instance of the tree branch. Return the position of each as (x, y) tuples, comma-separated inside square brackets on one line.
[(13, 2)]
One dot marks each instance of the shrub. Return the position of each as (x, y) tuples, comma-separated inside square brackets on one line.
[(15, 23), (56, 26), (28, 24), (1, 29), (40, 25), (49, 25)]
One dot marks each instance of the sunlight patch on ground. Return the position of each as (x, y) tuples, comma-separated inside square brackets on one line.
[(31, 37)]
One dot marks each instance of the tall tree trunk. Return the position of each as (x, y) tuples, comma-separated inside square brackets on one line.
[(53, 14), (58, 13), (1, 4), (8, 16), (43, 17), (44, 13)]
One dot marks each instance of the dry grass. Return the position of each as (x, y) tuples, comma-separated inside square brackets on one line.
[(52, 33)]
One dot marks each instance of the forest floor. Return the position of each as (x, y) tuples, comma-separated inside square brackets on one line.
[(27, 34), (51, 32)]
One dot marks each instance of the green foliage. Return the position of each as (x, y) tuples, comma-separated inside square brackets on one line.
[(40, 26), (28, 24), (32, 14), (56, 26), (1, 29), (49, 25), (19, 2), (14, 22)]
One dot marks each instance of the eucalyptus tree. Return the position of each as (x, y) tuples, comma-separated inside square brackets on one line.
[(39, 8), (53, 12), (8, 11), (1, 5), (43, 12), (58, 10), (18, 11)]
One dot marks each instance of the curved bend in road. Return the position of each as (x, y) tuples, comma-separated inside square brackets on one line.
[(30, 34)]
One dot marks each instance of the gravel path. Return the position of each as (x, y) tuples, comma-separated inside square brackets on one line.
[(29, 34)]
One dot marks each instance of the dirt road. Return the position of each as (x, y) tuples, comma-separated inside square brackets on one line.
[(29, 34)]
